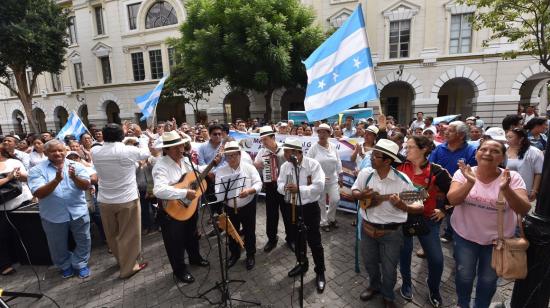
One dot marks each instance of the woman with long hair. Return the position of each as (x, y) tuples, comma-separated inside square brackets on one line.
[(474, 193), (526, 159), (436, 181), (10, 169)]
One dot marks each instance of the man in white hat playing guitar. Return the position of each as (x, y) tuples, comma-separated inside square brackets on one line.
[(179, 236)]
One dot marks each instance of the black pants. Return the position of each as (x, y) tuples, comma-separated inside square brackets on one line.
[(180, 236), (6, 242), (274, 202), (245, 216), (312, 220)]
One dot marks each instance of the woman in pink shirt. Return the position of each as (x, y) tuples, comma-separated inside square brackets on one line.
[(474, 192)]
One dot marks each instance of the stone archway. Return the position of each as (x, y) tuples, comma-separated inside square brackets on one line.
[(460, 72), (18, 120), (236, 105), (112, 112), (60, 117), (83, 114), (397, 99), (292, 100), (529, 85), (40, 118)]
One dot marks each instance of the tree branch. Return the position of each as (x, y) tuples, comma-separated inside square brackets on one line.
[(7, 85)]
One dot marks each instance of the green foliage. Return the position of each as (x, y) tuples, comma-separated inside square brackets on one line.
[(251, 44), (523, 21)]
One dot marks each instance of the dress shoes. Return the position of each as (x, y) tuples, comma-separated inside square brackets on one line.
[(186, 277), (250, 262), (291, 246), (201, 262), (389, 304), (269, 246), (232, 260), (297, 270), (368, 294), (320, 280)]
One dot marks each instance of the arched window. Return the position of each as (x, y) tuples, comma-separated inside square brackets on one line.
[(160, 14)]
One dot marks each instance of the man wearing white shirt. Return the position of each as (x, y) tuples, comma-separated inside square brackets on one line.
[(10, 144), (178, 236), (308, 189), (382, 238), (240, 210), (118, 197), (419, 122)]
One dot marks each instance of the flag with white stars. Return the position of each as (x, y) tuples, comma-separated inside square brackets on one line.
[(340, 72)]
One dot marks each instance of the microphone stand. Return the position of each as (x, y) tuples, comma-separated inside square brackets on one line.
[(301, 230)]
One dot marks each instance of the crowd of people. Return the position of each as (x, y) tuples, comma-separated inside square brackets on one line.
[(124, 179)]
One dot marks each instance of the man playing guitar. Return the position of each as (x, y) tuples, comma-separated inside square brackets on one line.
[(179, 236)]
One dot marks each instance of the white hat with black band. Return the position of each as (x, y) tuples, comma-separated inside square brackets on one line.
[(293, 144), (388, 147), (172, 138), (266, 131), (231, 146)]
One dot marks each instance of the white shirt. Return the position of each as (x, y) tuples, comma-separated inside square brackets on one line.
[(249, 175), (166, 173), (36, 158), (329, 160), (25, 195), (308, 168), (384, 213), (24, 158), (265, 151), (245, 157), (116, 169)]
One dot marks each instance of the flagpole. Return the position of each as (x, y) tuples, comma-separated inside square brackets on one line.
[(374, 73)]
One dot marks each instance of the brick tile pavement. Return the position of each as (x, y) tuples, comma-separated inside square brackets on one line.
[(267, 282)]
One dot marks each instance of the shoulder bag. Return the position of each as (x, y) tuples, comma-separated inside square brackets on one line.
[(9, 190)]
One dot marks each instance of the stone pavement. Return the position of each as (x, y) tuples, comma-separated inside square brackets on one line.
[(267, 282)]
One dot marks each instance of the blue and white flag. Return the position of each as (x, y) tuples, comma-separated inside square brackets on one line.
[(148, 101), (340, 72), (447, 118), (74, 126)]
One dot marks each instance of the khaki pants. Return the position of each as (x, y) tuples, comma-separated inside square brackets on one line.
[(122, 224)]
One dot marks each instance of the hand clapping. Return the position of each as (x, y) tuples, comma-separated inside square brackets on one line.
[(467, 171)]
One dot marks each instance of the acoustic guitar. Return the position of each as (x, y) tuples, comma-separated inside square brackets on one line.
[(407, 197), (183, 209)]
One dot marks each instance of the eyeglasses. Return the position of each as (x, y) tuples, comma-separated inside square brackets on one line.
[(217, 134)]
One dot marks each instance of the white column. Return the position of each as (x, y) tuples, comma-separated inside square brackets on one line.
[(543, 100)]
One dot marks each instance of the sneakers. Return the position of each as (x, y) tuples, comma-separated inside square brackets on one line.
[(67, 273), (406, 292), (435, 298), (446, 239), (84, 272)]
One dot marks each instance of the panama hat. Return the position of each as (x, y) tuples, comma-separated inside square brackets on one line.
[(389, 148), (496, 133), (172, 138), (292, 144), (326, 127), (231, 146), (373, 129), (266, 131)]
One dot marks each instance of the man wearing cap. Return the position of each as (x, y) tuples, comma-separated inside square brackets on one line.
[(118, 197), (283, 129), (59, 184), (240, 210), (361, 154), (178, 236), (269, 160), (10, 144), (381, 235), (327, 155), (309, 187)]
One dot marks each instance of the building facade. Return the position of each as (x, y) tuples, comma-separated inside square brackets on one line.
[(427, 58)]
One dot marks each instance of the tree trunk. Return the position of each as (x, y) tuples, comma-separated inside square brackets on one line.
[(26, 97), (267, 97)]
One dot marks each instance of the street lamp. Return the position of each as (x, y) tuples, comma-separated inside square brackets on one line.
[(534, 290)]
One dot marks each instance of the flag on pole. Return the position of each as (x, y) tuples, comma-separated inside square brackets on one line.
[(74, 126), (148, 101), (340, 72)]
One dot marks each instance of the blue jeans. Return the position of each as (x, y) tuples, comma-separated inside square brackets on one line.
[(470, 258), (432, 248), (381, 256), (58, 238)]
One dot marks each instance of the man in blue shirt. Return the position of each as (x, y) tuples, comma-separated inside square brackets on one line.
[(449, 153), (60, 186)]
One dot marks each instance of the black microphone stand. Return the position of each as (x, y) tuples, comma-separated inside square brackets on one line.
[(302, 232), (13, 295)]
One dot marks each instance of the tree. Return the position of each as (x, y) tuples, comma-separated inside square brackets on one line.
[(522, 21), (34, 36), (191, 90), (251, 44)]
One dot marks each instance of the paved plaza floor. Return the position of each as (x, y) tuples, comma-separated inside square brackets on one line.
[(267, 283)]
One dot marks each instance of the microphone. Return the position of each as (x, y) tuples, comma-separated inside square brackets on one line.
[(294, 159)]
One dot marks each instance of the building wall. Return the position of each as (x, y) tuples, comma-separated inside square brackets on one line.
[(497, 82)]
